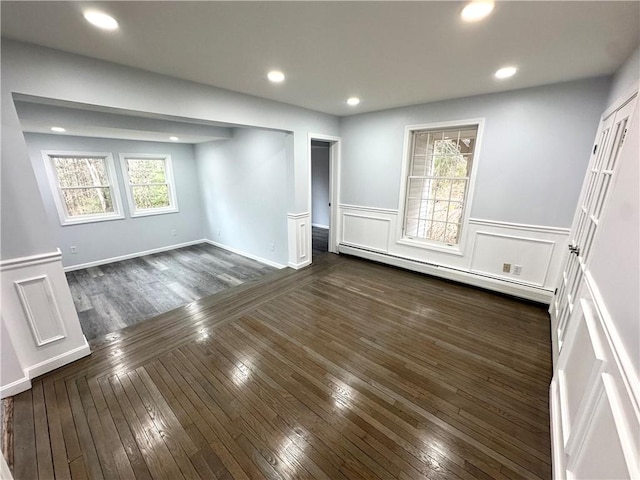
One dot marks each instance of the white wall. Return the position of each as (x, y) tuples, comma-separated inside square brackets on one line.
[(103, 240), (243, 183), (535, 150), (320, 210), (626, 77)]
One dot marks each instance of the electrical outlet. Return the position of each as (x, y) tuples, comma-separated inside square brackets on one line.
[(73, 250), (273, 247), (517, 269), (506, 267), (174, 232)]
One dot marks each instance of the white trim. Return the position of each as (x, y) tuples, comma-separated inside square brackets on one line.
[(245, 254), (296, 216), (621, 101), (30, 260), (21, 385), (171, 184), (389, 211), (555, 424), (335, 152), (521, 290), (319, 225), (520, 226), (59, 360), (52, 176), (468, 200), (298, 266), (620, 356), (52, 304), (128, 256)]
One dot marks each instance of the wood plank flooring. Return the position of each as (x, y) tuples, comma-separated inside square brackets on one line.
[(113, 296), (343, 370), (319, 240)]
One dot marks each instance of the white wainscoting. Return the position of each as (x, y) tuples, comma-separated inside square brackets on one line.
[(595, 414), (299, 239), (374, 233), (40, 319)]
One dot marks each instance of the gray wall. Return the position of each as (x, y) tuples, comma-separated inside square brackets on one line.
[(113, 238), (244, 182), (320, 211), (41, 72), (535, 150), (626, 77)]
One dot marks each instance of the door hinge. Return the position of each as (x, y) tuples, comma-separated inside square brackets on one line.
[(624, 134), (595, 148), (555, 291)]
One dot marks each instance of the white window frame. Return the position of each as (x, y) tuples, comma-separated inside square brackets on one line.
[(171, 184), (56, 190), (460, 248)]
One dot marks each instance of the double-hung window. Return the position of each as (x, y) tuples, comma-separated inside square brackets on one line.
[(84, 186), (149, 182), (439, 176)]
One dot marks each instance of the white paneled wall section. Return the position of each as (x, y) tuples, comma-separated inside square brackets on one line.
[(374, 233), (39, 319)]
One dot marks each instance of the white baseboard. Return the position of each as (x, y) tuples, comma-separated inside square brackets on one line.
[(245, 254), (511, 288), (59, 360), (298, 266), (319, 225), (105, 261), (21, 385)]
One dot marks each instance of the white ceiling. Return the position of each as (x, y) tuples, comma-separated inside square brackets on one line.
[(388, 53)]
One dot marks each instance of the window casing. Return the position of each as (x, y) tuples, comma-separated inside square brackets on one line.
[(149, 183), (84, 186), (438, 181)]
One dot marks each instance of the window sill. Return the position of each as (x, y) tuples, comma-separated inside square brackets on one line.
[(426, 245), (79, 221), (147, 213)]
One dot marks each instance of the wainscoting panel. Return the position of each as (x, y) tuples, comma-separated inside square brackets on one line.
[(299, 242), (595, 419), (365, 231), (42, 326), (374, 233), (532, 255), (41, 309)]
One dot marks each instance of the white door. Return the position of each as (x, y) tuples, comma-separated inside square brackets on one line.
[(602, 167)]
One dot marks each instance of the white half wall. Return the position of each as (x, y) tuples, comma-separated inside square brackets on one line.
[(40, 326)]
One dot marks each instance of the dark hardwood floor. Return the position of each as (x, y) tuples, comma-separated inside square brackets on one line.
[(343, 370), (319, 240), (113, 296)]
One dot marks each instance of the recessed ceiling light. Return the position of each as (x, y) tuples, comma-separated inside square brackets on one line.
[(476, 10), (174, 139), (506, 72), (58, 129), (353, 101), (101, 20), (276, 76)]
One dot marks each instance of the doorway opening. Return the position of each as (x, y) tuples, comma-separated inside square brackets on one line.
[(320, 200)]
